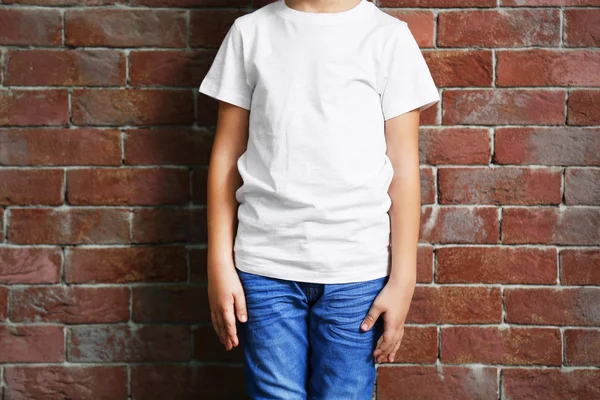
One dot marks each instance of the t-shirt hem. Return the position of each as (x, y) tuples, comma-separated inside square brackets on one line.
[(224, 94), (365, 273)]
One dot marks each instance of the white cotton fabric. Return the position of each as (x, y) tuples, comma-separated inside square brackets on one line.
[(314, 202)]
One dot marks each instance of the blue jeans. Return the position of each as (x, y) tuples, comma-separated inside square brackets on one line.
[(303, 340)]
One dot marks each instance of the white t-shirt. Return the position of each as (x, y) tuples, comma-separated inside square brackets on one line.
[(314, 202)]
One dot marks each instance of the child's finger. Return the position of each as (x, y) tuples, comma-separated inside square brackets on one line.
[(240, 307), (231, 330)]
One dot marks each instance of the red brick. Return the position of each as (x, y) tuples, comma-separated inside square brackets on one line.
[(16, 27), (552, 306), (125, 265), (505, 264), (584, 107), (428, 185), (172, 146), (70, 305), (419, 345), (172, 303), (125, 28), (73, 382), (2, 236), (65, 68), (544, 67), (582, 27), (495, 345), (121, 343), (27, 265), (580, 266), (500, 185), (158, 382), (169, 68), (30, 343), (456, 224), (551, 225), (550, 384), (582, 347), (547, 146), (421, 24), (458, 68), (69, 226), (32, 187), (440, 383), (132, 107), (582, 186), (545, 3), (198, 265), (455, 305), (65, 2), (51, 107), (424, 264), (191, 3), (450, 145), (437, 3), (128, 186), (208, 347), (209, 27), (3, 303), (499, 28), (43, 146), (199, 185), (169, 225), (503, 107)]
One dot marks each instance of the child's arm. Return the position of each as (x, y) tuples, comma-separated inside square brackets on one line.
[(225, 290)]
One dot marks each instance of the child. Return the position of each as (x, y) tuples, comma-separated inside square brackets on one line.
[(317, 143)]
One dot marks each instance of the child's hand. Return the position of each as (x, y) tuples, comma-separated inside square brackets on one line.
[(393, 302), (226, 295)]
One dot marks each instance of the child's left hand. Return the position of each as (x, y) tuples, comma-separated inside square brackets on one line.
[(393, 302)]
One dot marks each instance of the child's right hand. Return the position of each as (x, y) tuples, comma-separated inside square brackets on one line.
[(226, 298)]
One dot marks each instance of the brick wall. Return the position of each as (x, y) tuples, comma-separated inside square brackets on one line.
[(104, 144)]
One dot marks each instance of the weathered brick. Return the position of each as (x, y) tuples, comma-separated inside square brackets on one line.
[(437, 3), (69, 226), (70, 305), (125, 28), (27, 265), (582, 27), (57, 146), (500, 185), (552, 306), (582, 347), (132, 107), (428, 185), (16, 27), (444, 382), (209, 27), (30, 343), (420, 22), (65, 68), (51, 107), (73, 382), (550, 384), (458, 68), (65, 2), (455, 305), (169, 225), (551, 225), (419, 345), (547, 146), (198, 265), (124, 265), (32, 187), (580, 267), (128, 186), (172, 303), (582, 186), (506, 264), (549, 3), (543, 67), (499, 28), (157, 382), (3, 303), (208, 347), (169, 68), (451, 145), (495, 345), (584, 107), (172, 146), (122, 343), (457, 224), (192, 3), (503, 107)]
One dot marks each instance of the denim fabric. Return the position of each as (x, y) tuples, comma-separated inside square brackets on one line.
[(303, 340)]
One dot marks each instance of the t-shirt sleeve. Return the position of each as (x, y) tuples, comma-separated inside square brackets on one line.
[(407, 83), (226, 78)]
